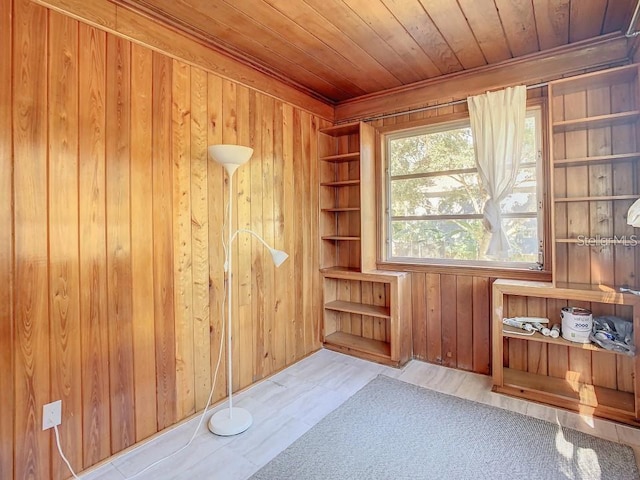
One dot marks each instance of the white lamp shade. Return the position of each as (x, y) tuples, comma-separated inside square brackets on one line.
[(230, 156), (278, 256)]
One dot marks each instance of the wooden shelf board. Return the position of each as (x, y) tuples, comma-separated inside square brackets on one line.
[(340, 130), (595, 122), (564, 291), (567, 390), (601, 78), (329, 271), (620, 157), (342, 209), (341, 183), (341, 238), (360, 344), (342, 157), (380, 276), (359, 308), (597, 199), (511, 332)]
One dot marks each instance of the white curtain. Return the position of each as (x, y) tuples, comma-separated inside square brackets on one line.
[(497, 124)]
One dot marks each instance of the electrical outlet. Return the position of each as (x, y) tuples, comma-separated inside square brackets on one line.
[(51, 414)]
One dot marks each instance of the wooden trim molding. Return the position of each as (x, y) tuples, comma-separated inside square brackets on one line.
[(542, 66), (147, 31), (476, 271)]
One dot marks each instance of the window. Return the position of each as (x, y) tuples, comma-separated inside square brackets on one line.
[(435, 200)]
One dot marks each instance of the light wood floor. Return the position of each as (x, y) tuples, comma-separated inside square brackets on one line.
[(288, 404)]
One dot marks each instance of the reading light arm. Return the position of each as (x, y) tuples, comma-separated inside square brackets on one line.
[(278, 256)]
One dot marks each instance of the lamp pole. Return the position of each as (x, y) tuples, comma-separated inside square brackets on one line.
[(232, 421)]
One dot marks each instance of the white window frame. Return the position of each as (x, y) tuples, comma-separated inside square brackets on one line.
[(532, 111)]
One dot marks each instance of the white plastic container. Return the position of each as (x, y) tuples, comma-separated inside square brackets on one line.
[(576, 324)]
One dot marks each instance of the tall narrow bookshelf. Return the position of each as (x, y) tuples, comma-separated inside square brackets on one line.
[(347, 197), (593, 132), (365, 311)]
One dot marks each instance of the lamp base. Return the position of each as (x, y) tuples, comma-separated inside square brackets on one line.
[(225, 425)]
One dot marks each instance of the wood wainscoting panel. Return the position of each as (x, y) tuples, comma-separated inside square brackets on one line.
[(163, 243), (32, 449), (118, 229), (94, 326), (183, 260), (113, 259), (64, 281), (451, 320), (200, 238), (7, 319), (142, 239)]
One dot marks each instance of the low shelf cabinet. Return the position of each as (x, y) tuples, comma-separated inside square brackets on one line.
[(570, 389)]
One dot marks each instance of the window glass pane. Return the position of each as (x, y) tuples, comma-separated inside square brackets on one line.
[(462, 239), (443, 195), (431, 158), (444, 239), (432, 152), (524, 196), (523, 238), (530, 146)]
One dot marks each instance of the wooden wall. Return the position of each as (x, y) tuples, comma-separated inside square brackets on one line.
[(451, 307), (111, 238)]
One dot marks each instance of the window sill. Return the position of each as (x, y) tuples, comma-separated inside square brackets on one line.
[(473, 270)]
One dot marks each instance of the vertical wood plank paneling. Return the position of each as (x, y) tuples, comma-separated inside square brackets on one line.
[(144, 348), (579, 258), (298, 235), (537, 351), (268, 222), (419, 315), (600, 184), (118, 221), (32, 445), (253, 318), (517, 348), (449, 320), (481, 325), (126, 198), (464, 322), (289, 212), (162, 243), (200, 238), (7, 398), (93, 249), (182, 267), (434, 319), (64, 282), (623, 140), (366, 297), (280, 280), (216, 215), (307, 264), (315, 326)]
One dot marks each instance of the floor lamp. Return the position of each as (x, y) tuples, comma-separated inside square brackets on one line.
[(234, 420)]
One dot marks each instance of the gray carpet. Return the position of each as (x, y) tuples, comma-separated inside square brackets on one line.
[(394, 430)]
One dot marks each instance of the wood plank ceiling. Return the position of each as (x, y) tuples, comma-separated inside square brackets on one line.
[(341, 49)]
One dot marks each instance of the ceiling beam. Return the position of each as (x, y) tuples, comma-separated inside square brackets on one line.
[(138, 28), (538, 67)]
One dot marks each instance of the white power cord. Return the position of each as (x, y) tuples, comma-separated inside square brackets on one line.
[(55, 429)]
